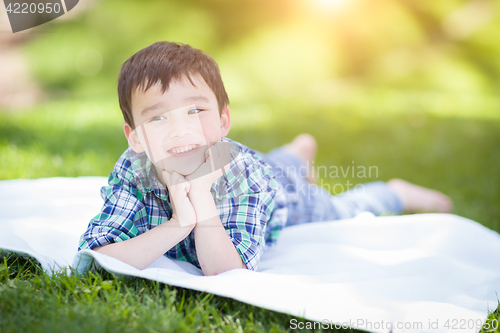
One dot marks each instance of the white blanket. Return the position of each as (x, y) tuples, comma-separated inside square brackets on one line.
[(428, 272)]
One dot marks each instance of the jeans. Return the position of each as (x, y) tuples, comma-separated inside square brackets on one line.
[(311, 203)]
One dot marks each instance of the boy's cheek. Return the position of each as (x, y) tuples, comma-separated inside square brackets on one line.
[(156, 152), (152, 145)]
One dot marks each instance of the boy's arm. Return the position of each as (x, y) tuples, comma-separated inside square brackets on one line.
[(215, 250), (247, 203), (142, 250), (123, 228)]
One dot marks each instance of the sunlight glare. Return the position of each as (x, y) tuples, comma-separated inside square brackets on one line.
[(331, 4)]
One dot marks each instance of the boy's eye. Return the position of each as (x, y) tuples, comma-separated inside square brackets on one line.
[(194, 111), (156, 118)]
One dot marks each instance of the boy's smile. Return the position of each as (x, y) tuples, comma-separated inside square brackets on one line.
[(176, 127)]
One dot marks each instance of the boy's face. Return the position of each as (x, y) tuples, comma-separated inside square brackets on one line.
[(176, 127)]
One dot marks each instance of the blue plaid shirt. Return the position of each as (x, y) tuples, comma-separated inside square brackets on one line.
[(251, 204)]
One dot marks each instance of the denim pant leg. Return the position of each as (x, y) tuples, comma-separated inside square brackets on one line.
[(310, 203), (375, 197)]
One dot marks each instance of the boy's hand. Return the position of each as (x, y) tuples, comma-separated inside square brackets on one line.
[(218, 158), (178, 188)]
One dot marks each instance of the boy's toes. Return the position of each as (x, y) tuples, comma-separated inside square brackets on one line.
[(444, 205), (418, 199), (305, 146)]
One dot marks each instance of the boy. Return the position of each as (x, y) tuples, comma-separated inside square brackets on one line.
[(185, 191)]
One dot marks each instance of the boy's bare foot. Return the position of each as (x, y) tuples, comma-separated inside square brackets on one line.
[(304, 145), (418, 199)]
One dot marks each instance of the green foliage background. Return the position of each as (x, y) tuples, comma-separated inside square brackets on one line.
[(409, 86)]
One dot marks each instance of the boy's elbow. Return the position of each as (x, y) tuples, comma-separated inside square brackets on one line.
[(210, 271), (114, 252)]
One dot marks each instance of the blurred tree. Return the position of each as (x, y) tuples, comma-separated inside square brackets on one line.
[(268, 47)]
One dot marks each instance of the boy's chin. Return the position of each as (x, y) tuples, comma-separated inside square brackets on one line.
[(183, 170)]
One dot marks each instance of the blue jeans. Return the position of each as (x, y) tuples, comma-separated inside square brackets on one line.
[(311, 203)]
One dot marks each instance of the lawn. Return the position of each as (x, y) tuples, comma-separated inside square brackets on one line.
[(445, 142)]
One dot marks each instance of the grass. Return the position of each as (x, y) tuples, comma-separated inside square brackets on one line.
[(455, 152), (32, 301)]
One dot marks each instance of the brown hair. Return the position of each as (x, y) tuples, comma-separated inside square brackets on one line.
[(164, 62)]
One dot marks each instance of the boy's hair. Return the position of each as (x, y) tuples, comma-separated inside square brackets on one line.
[(163, 62)]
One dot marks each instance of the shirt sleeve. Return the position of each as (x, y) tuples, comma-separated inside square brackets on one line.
[(122, 216), (247, 207)]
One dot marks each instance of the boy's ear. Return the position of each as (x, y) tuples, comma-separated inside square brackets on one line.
[(132, 138), (225, 120)]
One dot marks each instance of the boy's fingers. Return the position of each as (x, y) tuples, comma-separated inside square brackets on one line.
[(209, 157), (166, 177), (185, 187), (177, 178)]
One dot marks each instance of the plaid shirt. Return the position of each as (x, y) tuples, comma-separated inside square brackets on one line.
[(250, 202)]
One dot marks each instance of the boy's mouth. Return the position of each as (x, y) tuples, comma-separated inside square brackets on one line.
[(183, 150)]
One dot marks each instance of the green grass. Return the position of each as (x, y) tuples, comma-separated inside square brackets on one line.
[(32, 301), (428, 144)]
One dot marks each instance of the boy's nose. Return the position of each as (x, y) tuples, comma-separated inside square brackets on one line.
[(180, 127)]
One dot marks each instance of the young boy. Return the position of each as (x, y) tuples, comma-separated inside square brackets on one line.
[(182, 189)]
